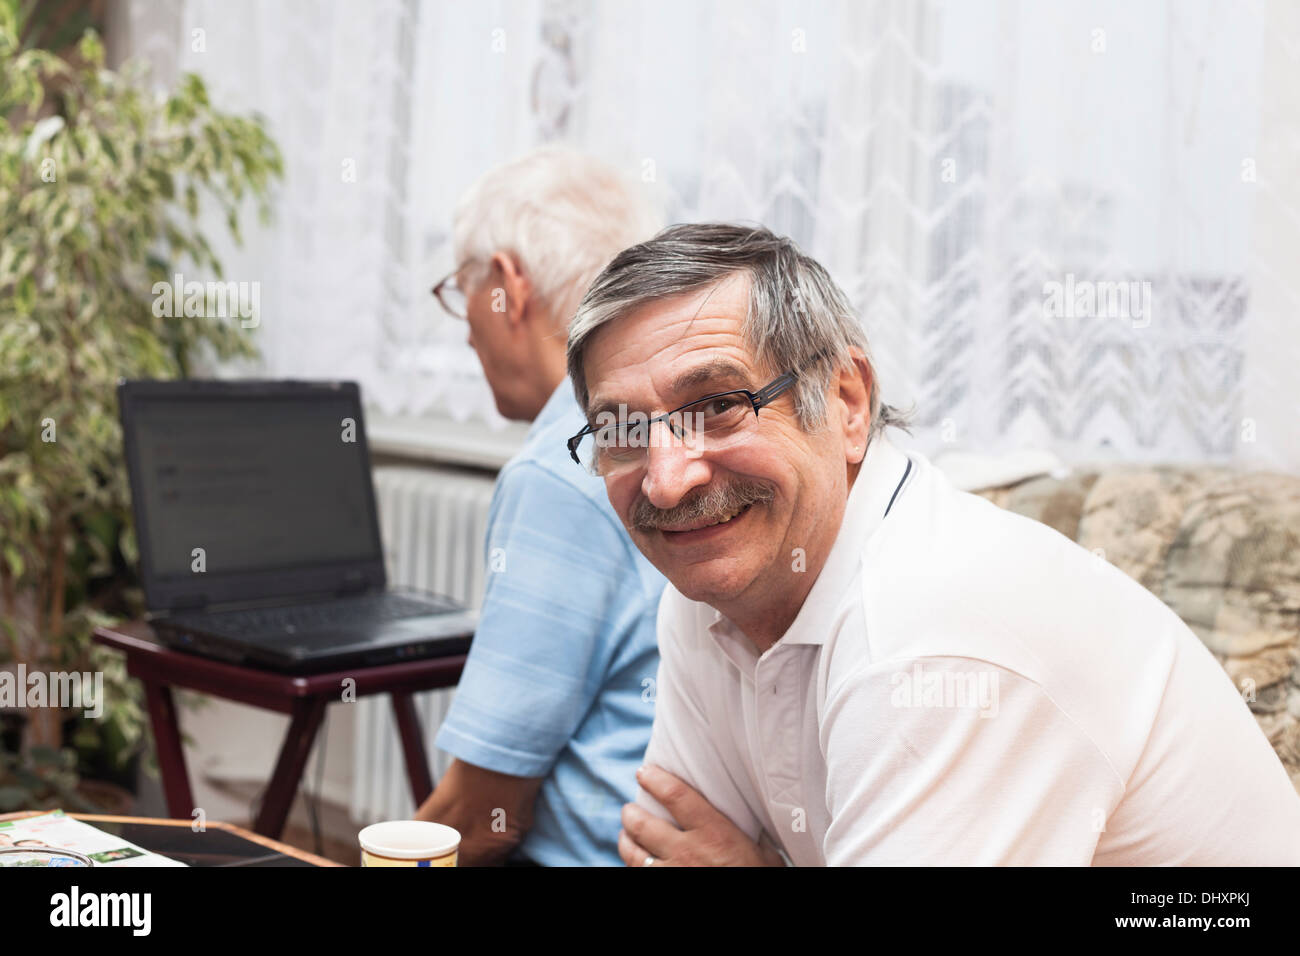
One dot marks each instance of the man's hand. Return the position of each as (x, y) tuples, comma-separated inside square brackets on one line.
[(493, 811), (704, 836)]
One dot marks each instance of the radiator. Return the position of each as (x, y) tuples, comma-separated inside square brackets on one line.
[(433, 525)]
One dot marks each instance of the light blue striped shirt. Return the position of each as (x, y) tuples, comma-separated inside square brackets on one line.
[(560, 678)]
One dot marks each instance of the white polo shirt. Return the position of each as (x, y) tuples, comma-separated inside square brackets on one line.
[(964, 685)]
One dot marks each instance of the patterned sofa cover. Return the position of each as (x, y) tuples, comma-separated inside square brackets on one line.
[(1220, 547)]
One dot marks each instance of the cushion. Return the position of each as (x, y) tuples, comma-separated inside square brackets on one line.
[(1221, 547)]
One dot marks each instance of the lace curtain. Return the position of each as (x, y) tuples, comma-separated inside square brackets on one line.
[(1068, 226)]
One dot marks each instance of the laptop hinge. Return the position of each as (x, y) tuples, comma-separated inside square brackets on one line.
[(190, 602)]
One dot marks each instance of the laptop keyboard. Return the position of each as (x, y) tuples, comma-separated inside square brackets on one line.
[(368, 609)]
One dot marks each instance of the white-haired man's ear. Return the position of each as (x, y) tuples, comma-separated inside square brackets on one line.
[(512, 291)]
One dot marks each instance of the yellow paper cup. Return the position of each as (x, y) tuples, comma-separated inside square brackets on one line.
[(409, 843)]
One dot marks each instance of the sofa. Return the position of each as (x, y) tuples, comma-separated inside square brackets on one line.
[(1221, 547)]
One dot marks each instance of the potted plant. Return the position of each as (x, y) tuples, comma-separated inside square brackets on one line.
[(43, 779), (101, 188)]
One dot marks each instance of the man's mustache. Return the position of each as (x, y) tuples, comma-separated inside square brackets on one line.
[(716, 501)]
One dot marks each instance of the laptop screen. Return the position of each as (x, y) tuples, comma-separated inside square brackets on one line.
[(243, 493)]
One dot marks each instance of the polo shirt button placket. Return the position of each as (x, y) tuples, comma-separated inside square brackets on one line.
[(778, 732)]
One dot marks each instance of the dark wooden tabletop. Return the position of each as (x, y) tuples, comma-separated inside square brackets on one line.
[(148, 657)]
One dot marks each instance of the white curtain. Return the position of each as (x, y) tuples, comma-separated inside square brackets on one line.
[(951, 163)]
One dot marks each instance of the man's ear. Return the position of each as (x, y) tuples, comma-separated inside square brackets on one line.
[(512, 290), (854, 393)]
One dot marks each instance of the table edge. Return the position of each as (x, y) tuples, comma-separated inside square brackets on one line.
[(236, 829)]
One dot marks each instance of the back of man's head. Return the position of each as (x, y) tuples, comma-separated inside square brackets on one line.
[(562, 214)]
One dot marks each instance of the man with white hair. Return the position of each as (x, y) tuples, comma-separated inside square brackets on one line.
[(860, 664), (553, 711)]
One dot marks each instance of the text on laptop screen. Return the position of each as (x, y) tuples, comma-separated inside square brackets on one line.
[(257, 483)]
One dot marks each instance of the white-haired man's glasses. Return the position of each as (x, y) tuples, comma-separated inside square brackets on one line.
[(451, 296)]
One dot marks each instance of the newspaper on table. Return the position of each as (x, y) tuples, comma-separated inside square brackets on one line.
[(61, 832)]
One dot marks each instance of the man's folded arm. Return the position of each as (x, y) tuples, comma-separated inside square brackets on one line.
[(954, 761), (683, 742)]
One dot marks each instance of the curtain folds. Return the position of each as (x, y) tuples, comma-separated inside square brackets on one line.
[(1068, 227)]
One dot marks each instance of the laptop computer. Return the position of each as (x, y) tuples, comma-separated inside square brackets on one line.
[(257, 530)]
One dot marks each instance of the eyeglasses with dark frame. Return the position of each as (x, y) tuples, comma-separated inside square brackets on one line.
[(450, 295), (718, 414)]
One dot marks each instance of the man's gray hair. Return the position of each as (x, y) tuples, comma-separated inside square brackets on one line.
[(563, 215), (798, 318)]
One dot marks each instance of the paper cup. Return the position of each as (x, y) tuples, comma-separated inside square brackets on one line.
[(409, 843)]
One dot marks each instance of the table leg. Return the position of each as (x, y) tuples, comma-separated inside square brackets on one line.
[(171, 754), (417, 761), (280, 792)]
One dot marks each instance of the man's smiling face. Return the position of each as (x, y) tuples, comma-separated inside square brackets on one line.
[(721, 523)]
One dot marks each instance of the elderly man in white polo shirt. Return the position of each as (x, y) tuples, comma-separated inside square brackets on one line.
[(860, 664)]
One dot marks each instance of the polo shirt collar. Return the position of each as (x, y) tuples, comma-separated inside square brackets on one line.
[(882, 471), (562, 402)]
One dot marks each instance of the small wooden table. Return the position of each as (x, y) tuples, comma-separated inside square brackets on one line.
[(302, 696), (180, 842)]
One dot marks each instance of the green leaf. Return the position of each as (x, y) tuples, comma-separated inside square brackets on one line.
[(25, 295), (91, 49), (164, 183)]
